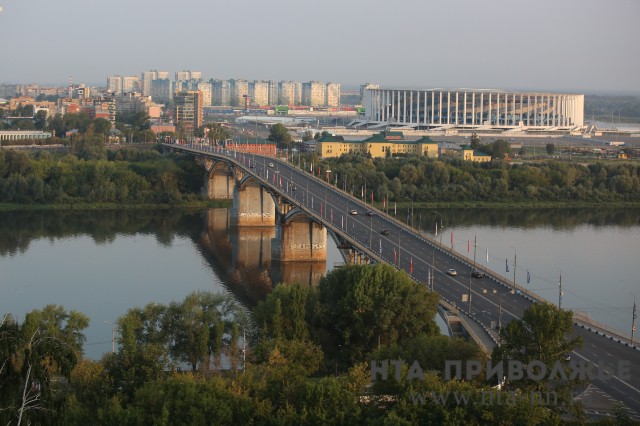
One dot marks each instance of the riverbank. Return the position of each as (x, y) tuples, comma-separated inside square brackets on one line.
[(191, 205)]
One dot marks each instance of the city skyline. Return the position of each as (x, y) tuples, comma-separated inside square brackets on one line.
[(571, 46)]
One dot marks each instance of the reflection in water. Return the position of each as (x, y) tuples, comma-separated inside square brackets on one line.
[(243, 256)]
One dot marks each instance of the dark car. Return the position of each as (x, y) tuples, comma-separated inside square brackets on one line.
[(369, 213), (384, 232), (477, 274)]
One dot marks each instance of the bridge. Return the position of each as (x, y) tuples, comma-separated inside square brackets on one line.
[(305, 209)]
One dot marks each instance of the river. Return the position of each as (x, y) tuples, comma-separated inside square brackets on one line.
[(102, 263)]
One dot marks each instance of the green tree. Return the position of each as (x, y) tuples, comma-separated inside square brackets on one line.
[(308, 136), (474, 141), (551, 148), (360, 308), (279, 134), (217, 133)]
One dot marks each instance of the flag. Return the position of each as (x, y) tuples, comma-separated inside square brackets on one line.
[(411, 266), (394, 255), (395, 205), (487, 255), (280, 181), (371, 197), (380, 246), (429, 277), (436, 229), (362, 192), (451, 238), (528, 277), (312, 167), (320, 209), (384, 203), (336, 184), (506, 264)]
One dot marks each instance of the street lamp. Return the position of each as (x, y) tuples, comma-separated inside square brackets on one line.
[(634, 315), (515, 257), (411, 210), (440, 214), (113, 335), (500, 309)]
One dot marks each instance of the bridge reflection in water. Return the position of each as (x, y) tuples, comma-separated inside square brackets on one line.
[(243, 256)]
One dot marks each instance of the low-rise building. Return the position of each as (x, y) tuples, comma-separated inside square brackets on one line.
[(383, 144), (469, 154)]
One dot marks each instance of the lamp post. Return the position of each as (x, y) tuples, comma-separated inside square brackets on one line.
[(633, 321), (500, 309), (440, 214), (515, 258), (113, 335)]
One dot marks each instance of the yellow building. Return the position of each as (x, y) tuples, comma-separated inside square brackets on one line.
[(468, 154), (379, 145)]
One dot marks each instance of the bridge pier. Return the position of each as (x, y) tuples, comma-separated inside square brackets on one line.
[(253, 205), (218, 179), (299, 239)]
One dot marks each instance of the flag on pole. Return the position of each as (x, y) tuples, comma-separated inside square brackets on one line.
[(341, 221), (394, 255), (371, 197), (528, 277), (380, 246), (506, 264), (436, 229), (395, 205), (487, 255), (451, 238), (384, 202), (312, 167), (411, 266), (362, 192), (429, 276), (280, 181)]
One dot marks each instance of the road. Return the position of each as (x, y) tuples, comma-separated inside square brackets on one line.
[(419, 255)]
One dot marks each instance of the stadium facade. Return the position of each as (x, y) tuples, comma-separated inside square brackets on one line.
[(433, 109)]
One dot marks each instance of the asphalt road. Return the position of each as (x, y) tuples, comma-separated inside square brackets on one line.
[(417, 255)]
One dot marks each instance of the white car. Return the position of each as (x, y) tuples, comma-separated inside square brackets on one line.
[(452, 272), (353, 212), (271, 165)]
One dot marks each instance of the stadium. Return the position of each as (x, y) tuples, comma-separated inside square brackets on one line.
[(472, 109)]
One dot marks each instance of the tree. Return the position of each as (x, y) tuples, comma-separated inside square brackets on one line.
[(308, 136), (361, 307), (217, 133), (40, 120), (45, 347), (542, 335), (279, 134), (551, 148), (475, 141)]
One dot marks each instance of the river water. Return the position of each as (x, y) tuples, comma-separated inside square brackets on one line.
[(103, 263)]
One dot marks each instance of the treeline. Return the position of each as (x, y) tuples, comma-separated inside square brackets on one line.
[(305, 361), (91, 174), (442, 180)]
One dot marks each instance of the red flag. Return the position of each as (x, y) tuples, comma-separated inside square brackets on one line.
[(411, 266), (394, 255), (280, 181), (384, 202)]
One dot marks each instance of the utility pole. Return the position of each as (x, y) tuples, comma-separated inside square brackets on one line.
[(634, 315), (560, 292)]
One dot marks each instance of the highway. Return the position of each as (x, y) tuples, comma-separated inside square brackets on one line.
[(418, 254)]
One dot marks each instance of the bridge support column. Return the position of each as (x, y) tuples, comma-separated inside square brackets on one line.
[(300, 239), (218, 181), (253, 206)]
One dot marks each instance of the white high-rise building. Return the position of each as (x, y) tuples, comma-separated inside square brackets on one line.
[(287, 93), (205, 88), (130, 84), (239, 89), (188, 75), (332, 98), (220, 92), (314, 93), (117, 84), (148, 77), (259, 92), (114, 84)]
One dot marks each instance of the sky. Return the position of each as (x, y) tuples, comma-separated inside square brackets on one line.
[(587, 46)]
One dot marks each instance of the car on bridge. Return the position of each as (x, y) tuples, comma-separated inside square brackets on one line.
[(385, 232), (369, 213), (353, 212), (452, 272), (477, 274), (271, 165)]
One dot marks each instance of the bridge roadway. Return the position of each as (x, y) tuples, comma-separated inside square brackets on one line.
[(414, 253)]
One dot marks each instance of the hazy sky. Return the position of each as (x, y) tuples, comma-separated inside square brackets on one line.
[(572, 45)]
